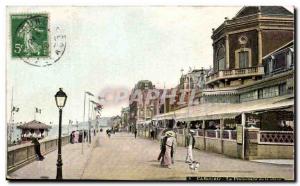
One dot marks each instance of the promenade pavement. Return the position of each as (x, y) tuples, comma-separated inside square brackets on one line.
[(125, 158), (74, 162), (122, 157)]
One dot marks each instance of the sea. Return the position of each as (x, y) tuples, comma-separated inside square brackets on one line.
[(66, 129)]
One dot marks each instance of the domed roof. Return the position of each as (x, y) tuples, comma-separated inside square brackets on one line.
[(264, 10), (34, 125)]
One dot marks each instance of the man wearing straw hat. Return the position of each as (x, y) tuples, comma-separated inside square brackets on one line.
[(190, 144)]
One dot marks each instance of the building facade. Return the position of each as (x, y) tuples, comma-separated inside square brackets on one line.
[(240, 43), (251, 86), (244, 106), (125, 117), (139, 108)]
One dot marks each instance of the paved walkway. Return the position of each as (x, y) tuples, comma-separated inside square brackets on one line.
[(74, 163), (122, 157)]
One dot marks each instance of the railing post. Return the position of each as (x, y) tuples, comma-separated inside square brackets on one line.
[(221, 73), (229, 134)]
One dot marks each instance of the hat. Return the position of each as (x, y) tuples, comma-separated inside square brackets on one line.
[(170, 133), (192, 131)]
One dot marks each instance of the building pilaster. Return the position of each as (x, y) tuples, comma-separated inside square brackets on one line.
[(259, 47), (227, 50)]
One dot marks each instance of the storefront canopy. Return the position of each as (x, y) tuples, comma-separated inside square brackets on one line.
[(212, 111)]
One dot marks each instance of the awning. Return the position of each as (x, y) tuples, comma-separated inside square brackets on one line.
[(211, 111), (209, 117)]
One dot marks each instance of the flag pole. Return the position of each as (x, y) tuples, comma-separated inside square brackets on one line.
[(35, 113)]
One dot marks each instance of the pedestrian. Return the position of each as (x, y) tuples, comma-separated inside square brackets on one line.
[(37, 149), (163, 139), (94, 132), (76, 137), (186, 133), (173, 152), (190, 146), (84, 134), (169, 145), (71, 137), (152, 134), (135, 133), (109, 133)]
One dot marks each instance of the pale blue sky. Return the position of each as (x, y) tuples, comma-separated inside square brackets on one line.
[(113, 47)]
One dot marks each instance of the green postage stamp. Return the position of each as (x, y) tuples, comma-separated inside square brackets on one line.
[(30, 36)]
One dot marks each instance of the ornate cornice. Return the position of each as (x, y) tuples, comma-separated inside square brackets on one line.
[(260, 22)]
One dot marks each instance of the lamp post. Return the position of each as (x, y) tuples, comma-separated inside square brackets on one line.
[(89, 121), (89, 94), (90, 115), (60, 99), (93, 110)]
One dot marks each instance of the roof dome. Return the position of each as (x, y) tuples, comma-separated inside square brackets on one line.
[(264, 10)]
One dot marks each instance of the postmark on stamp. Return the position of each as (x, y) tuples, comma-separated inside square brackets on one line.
[(34, 42)]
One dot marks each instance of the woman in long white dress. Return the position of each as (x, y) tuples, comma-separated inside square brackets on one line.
[(167, 158)]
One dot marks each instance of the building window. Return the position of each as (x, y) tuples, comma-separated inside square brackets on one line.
[(282, 89), (280, 62), (289, 57), (220, 99), (221, 58), (268, 66), (270, 92), (249, 96), (244, 59), (260, 94)]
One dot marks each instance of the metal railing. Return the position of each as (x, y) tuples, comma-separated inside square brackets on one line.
[(276, 137), (226, 134)]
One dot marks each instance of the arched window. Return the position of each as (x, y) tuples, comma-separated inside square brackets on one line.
[(221, 58)]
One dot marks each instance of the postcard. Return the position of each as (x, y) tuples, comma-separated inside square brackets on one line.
[(150, 93)]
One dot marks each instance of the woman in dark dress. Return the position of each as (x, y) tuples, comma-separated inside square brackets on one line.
[(37, 148)]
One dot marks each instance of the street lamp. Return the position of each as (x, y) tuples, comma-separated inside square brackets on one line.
[(85, 93), (94, 109), (60, 99), (89, 94)]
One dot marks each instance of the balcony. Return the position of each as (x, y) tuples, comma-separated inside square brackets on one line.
[(235, 73)]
